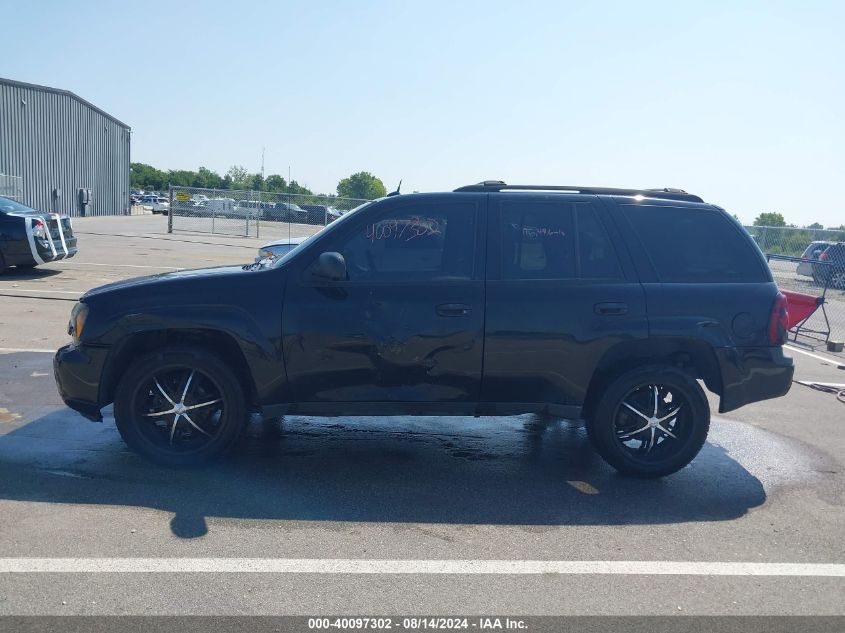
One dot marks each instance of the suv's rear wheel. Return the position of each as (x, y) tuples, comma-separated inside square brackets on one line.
[(179, 407), (837, 279), (651, 421)]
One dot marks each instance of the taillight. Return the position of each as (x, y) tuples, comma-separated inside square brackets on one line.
[(779, 321), (39, 230)]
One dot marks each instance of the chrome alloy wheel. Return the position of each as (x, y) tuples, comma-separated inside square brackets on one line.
[(179, 409), (652, 422)]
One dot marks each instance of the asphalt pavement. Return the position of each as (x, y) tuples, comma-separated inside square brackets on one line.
[(396, 515)]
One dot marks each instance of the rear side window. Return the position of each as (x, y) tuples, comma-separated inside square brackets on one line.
[(596, 256), (555, 240), (694, 245), (537, 240)]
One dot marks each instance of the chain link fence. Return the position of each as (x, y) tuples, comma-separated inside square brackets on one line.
[(11, 186), (252, 213), (813, 271)]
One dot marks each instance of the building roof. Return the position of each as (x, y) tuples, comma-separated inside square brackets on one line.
[(67, 93)]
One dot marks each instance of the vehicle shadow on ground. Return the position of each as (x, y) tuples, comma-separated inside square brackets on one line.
[(28, 274), (504, 471)]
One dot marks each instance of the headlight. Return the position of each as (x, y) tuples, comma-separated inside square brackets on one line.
[(78, 316)]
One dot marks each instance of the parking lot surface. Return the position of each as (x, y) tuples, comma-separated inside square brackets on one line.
[(395, 515)]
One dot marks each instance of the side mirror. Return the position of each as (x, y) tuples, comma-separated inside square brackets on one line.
[(330, 266)]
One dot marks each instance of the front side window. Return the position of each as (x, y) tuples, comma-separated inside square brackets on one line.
[(413, 243)]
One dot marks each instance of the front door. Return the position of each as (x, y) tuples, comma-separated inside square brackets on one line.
[(406, 327)]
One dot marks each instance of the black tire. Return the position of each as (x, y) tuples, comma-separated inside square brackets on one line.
[(154, 381), (2, 264), (629, 440), (837, 280)]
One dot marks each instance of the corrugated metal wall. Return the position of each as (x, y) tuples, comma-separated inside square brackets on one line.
[(56, 141)]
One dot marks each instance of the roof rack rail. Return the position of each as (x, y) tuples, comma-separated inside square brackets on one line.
[(666, 193)]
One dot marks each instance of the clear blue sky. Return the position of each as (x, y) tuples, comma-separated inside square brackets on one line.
[(740, 102)]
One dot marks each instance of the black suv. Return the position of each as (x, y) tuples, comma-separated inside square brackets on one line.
[(606, 305)]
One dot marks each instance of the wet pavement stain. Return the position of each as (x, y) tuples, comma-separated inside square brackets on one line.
[(7, 416)]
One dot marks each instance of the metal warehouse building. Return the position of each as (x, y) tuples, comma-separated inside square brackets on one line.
[(60, 153)]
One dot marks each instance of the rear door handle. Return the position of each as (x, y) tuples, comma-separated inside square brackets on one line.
[(610, 309), (453, 309)]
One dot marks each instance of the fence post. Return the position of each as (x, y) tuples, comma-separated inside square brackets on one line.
[(213, 212), (170, 208)]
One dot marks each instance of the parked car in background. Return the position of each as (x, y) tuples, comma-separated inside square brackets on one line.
[(288, 212), (274, 250), (216, 207), (252, 209), (612, 306), (831, 269), (29, 238), (158, 204), (813, 251), (320, 214)]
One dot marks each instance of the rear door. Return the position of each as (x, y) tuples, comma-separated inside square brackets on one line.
[(404, 332), (560, 292), (703, 275)]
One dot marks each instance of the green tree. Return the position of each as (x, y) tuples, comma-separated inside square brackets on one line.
[(295, 187), (180, 177), (237, 177), (143, 176), (208, 179), (275, 182), (771, 218), (361, 185), (255, 182), (814, 225)]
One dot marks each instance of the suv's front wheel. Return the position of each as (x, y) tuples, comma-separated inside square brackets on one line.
[(179, 407), (650, 422)]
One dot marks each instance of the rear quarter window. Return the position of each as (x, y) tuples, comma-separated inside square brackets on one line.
[(695, 244)]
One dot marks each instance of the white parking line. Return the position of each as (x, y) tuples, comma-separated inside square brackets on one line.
[(448, 567), (832, 361), (25, 350), (42, 290), (72, 263)]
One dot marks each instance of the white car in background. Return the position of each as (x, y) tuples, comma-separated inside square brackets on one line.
[(273, 250), (158, 204), (812, 252)]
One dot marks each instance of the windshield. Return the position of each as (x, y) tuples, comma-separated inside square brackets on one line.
[(311, 238), (10, 206)]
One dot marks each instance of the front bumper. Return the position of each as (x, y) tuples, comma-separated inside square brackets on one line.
[(78, 371), (751, 374)]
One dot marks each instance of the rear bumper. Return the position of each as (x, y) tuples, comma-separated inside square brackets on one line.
[(77, 372), (751, 374)]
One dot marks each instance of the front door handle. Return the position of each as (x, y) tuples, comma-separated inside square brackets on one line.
[(453, 309), (610, 309)]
